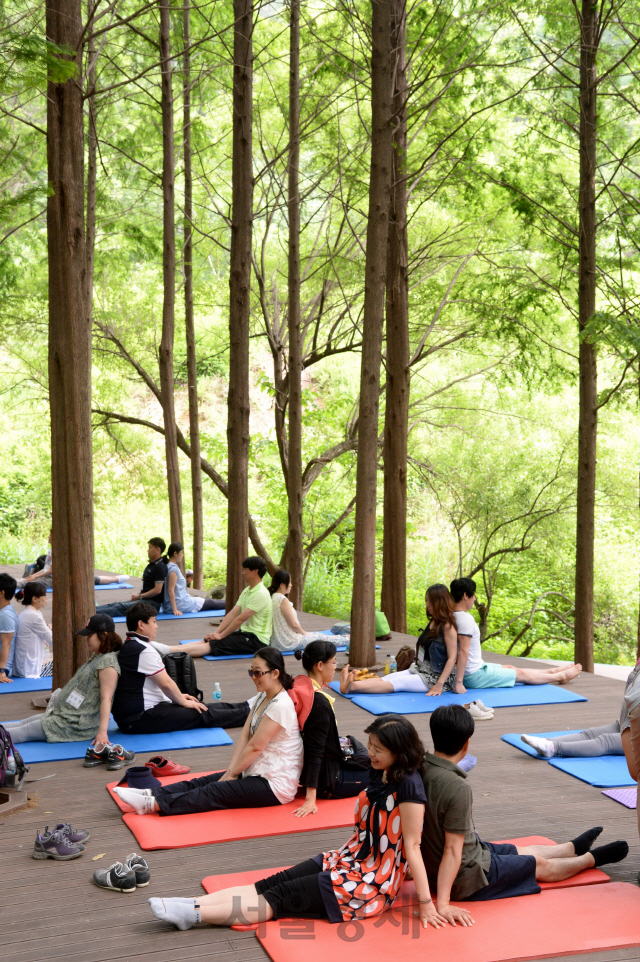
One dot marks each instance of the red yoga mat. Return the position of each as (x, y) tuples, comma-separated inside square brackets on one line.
[(230, 825), (555, 923)]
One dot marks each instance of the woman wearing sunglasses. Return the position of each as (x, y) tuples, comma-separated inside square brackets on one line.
[(266, 762)]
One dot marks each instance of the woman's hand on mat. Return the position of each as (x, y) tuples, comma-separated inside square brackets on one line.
[(429, 915), (177, 613), (459, 688), (436, 690), (4, 678), (453, 914), (307, 808), (102, 738)]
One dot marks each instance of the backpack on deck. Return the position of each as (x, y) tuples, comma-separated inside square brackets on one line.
[(7, 748), (181, 668)]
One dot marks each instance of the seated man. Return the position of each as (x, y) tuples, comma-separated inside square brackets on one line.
[(477, 673), (8, 625), (462, 866), (45, 574), (246, 628), (153, 579), (147, 700)]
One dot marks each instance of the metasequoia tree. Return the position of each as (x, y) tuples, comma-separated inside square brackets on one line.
[(192, 372), (240, 297), (363, 603), (69, 351), (165, 353)]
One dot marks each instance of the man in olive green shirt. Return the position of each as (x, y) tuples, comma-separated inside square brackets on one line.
[(458, 863)]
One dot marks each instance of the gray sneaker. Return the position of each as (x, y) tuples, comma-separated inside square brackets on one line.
[(73, 834), (56, 845), (138, 865), (118, 878)]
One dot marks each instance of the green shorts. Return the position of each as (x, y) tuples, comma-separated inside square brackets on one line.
[(491, 676)]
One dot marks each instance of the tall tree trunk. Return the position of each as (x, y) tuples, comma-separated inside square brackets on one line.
[(396, 421), (295, 550), (69, 354), (363, 603), (239, 301), (588, 417), (168, 277), (192, 373), (92, 160)]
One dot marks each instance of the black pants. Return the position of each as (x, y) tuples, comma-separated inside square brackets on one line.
[(237, 643), (118, 608), (167, 717), (208, 793), (349, 783), (295, 892), (211, 605)]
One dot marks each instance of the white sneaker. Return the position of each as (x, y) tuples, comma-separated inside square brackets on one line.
[(481, 705), (476, 712), (543, 746)]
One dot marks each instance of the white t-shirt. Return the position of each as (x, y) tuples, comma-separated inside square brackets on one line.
[(32, 637), (281, 761), (467, 626)]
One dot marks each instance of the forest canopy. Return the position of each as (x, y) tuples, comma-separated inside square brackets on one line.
[(490, 155)]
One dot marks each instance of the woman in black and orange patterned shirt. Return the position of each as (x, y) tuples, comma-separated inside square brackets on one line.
[(358, 881)]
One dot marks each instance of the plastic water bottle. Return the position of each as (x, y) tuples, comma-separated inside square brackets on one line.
[(10, 777), (217, 692), (387, 665), (393, 666)]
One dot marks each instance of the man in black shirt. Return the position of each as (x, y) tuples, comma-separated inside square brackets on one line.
[(153, 579)]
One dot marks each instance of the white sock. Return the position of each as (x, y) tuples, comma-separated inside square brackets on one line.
[(138, 791), (141, 804), (181, 912), (543, 746), (163, 649), (121, 579)]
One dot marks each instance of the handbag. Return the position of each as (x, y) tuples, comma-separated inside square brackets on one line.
[(405, 657)]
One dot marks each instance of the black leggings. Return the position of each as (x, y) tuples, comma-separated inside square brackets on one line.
[(208, 793), (295, 892)]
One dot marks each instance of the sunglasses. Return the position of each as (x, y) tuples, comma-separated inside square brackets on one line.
[(255, 673)]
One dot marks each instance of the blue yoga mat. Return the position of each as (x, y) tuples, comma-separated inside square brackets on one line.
[(26, 684), (110, 587), (407, 703), (516, 741), (239, 657), (33, 752), (607, 771), (190, 614)]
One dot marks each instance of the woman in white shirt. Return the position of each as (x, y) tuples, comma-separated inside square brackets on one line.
[(266, 763), (286, 633), (33, 635)]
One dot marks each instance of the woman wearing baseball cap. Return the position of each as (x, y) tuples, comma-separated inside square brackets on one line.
[(82, 708)]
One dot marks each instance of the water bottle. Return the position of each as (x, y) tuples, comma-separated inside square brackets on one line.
[(10, 776), (217, 692), (387, 665), (393, 666)]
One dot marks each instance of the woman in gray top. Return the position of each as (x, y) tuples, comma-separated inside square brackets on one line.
[(82, 708)]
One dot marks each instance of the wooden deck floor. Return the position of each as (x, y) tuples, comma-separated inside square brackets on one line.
[(52, 910)]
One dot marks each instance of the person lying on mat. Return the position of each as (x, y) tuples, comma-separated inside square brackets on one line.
[(333, 767), (33, 637), (153, 579), (176, 598), (461, 865), (266, 762), (45, 573), (434, 670), (361, 879), (147, 700), (8, 625), (287, 633), (247, 627), (81, 709), (476, 672)]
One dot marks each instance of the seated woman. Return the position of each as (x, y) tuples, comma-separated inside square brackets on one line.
[(329, 770), (436, 656), (266, 762), (286, 633), (177, 599), (33, 634), (82, 708), (358, 881)]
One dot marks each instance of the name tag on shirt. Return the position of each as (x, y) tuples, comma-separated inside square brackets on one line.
[(75, 699)]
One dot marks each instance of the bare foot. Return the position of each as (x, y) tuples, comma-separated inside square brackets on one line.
[(562, 677), (346, 679)]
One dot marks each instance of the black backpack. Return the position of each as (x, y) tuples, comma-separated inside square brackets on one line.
[(7, 748), (181, 668)]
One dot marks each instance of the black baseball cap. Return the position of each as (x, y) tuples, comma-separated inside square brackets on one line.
[(98, 623)]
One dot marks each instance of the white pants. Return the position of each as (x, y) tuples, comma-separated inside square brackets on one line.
[(406, 681)]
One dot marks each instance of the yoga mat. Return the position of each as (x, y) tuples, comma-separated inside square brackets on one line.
[(626, 796), (516, 741), (555, 923), (407, 703), (188, 641), (153, 832), (591, 876), (112, 586), (189, 614), (26, 684), (161, 742), (607, 771)]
